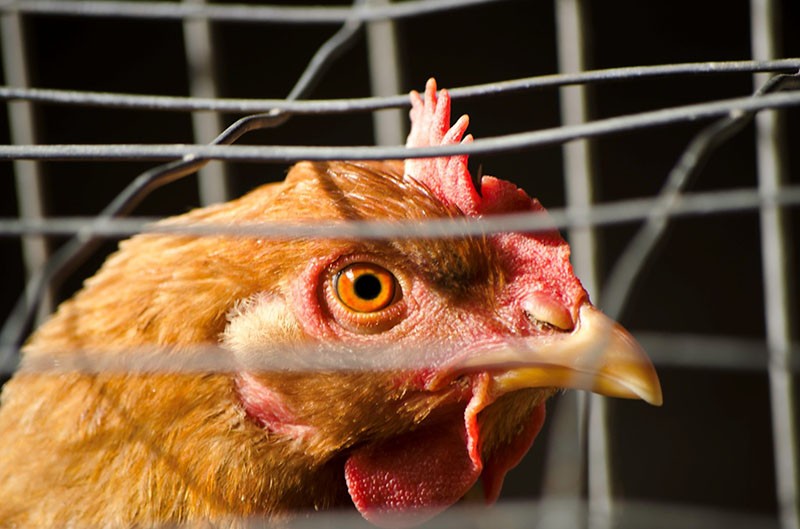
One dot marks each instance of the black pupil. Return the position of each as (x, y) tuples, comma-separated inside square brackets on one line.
[(367, 286)]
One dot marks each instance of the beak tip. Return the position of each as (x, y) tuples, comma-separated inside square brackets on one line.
[(628, 363), (650, 389), (656, 398)]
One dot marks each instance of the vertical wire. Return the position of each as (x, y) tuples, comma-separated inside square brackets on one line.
[(27, 174), (774, 244), (571, 31), (564, 464), (571, 102), (384, 71), (212, 179)]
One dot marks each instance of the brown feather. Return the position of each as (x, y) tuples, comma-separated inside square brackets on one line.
[(116, 449)]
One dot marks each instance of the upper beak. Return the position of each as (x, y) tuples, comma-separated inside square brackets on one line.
[(597, 355)]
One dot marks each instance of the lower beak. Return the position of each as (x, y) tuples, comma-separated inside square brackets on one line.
[(598, 355)]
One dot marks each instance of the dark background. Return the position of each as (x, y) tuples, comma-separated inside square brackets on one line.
[(710, 444)]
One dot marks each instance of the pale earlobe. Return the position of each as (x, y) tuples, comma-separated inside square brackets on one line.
[(260, 330)]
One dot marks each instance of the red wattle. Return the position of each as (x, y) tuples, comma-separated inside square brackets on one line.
[(507, 457), (408, 479)]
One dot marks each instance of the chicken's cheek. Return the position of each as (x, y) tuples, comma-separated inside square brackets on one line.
[(262, 332), (408, 479), (267, 408)]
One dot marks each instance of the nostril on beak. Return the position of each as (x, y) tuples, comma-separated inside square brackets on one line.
[(540, 325), (547, 314)]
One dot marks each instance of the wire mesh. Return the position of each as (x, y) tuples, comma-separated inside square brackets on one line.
[(596, 491)]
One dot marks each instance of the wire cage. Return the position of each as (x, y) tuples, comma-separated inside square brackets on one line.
[(661, 137)]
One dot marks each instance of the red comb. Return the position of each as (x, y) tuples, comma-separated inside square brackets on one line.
[(541, 258), (448, 177)]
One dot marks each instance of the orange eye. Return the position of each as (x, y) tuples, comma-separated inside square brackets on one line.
[(365, 287)]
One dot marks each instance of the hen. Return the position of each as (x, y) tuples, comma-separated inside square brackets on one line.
[(389, 375)]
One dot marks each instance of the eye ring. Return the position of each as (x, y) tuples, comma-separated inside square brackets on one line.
[(365, 287)]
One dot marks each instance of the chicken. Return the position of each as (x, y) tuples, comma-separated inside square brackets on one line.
[(387, 375)]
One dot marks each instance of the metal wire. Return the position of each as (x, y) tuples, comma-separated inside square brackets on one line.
[(771, 152), (667, 350), (213, 179), (236, 13), (590, 414), (606, 214), (366, 104), (384, 70), (28, 175), (509, 142), (559, 513)]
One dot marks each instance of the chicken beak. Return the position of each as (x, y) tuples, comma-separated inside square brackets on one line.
[(597, 355)]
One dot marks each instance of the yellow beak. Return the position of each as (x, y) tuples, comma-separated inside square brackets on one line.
[(597, 355)]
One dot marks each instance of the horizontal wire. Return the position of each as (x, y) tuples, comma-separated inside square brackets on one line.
[(691, 351), (235, 12), (290, 153), (710, 351), (335, 106), (559, 513), (609, 213)]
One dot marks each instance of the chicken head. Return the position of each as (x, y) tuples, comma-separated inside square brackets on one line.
[(392, 375)]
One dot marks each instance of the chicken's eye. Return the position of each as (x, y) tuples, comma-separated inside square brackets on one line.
[(365, 287)]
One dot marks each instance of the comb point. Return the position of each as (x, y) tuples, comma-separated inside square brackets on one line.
[(448, 177)]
